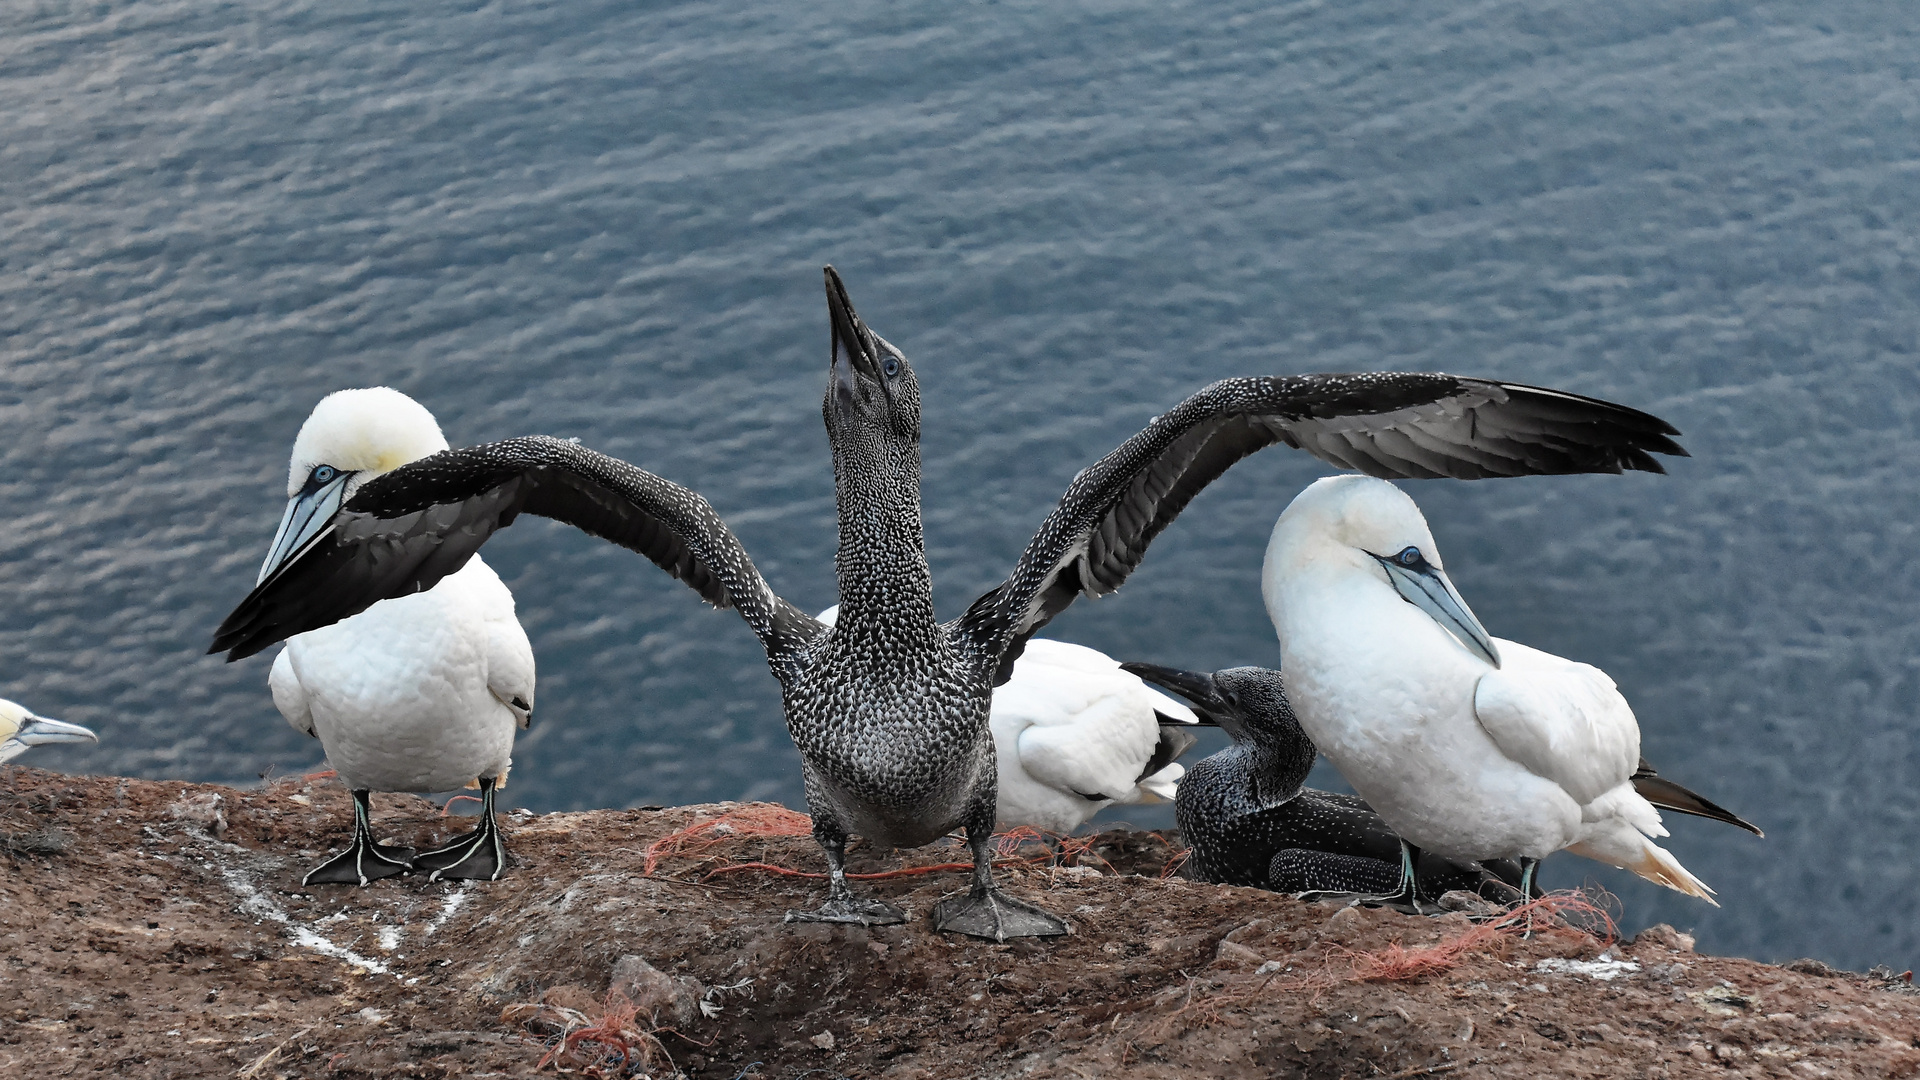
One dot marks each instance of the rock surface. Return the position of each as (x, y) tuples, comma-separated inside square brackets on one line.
[(155, 942)]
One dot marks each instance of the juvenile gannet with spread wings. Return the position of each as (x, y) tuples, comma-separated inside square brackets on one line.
[(889, 707)]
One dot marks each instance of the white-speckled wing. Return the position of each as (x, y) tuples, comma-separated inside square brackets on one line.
[(1562, 719), (288, 696)]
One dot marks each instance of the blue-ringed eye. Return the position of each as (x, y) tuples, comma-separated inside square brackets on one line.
[(1409, 557), (891, 367), (325, 474)]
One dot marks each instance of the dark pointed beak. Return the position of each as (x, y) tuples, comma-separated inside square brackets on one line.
[(853, 344), (1199, 689)]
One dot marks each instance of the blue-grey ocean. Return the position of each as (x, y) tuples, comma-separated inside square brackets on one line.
[(607, 220)]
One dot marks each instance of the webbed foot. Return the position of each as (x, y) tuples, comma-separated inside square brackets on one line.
[(478, 856), (851, 910), (363, 861), (994, 915)]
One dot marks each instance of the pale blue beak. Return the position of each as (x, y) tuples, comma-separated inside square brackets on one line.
[(1428, 589), (40, 731), (308, 516)]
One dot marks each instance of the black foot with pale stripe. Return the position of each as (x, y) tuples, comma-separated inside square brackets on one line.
[(480, 855), (364, 861), (994, 915)]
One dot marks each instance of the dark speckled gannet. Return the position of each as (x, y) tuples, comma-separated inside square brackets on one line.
[(21, 730), (1074, 734), (419, 692), (1250, 820), (1468, 745), (889, 707)]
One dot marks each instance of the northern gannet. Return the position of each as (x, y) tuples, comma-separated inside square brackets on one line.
[(1073, 734), (889, 707), (1468, 745), (21, 730), (421, 692), (1249, 819)]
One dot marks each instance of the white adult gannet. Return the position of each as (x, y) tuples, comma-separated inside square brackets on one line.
[(417, 693), (21, 730), (1073, 734), (1467, 745)]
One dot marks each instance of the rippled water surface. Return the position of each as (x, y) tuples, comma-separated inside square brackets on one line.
[(606, 220)]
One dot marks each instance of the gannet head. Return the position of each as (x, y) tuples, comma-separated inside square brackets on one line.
[(1359, 524), (351, 437), (20, 730), (870, 386), (1248, 703)]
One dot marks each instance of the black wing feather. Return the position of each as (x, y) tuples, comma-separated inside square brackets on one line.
[(405, 531), (1392, 425)]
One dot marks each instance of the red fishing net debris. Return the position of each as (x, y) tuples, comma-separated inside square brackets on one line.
[(1554, 913), (754, 819)]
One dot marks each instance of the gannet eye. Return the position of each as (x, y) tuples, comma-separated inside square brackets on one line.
[(325, 474), (1409, 557), (891, 367)]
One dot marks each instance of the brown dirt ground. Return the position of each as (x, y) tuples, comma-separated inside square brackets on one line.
[(154, 929)]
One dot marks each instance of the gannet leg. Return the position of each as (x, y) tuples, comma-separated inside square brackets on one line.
[(842, 905), (480, 855), (985, 911), (364, 860)]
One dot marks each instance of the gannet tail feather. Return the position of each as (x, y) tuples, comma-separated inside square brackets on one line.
[(1624, 847), (1668, 795)]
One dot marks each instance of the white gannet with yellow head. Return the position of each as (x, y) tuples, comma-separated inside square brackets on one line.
[(21, 730), (419, 693), (1469, 746)]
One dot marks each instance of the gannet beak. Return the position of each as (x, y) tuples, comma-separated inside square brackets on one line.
[(853, 344), (308, 515), (1428, 589), (1208, 704), (39, 731)]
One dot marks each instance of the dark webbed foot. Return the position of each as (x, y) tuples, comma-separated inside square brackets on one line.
[(360, 864), (994, 915), (363, 861), (480, 855), (1405, 898), (851, 909)]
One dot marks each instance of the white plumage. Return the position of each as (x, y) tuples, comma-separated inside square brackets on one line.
[(418, 693), (1073, 734), (1469, 746), (414, 693)]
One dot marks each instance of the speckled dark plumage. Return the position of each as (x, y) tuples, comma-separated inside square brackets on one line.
[(1249, 821), (889, 708)]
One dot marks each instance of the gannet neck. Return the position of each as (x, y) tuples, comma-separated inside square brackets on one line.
[(872, 413)]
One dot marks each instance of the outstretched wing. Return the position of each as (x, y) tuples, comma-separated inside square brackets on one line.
[(1393, 425), (409, 528)]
